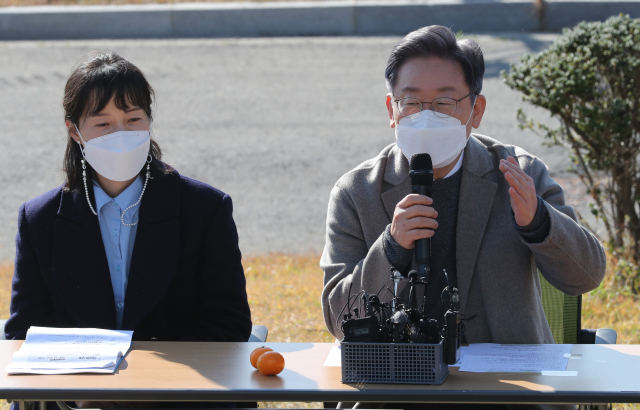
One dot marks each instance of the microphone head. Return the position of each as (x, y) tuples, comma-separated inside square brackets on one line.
[(420, 162), (400, 317), (421, 170)]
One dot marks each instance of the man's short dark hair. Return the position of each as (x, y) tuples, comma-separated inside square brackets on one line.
[(438, 41)]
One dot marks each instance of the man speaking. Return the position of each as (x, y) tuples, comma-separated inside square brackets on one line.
[(495, 216)]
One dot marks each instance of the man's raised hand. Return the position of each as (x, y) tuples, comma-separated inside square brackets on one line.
[(413, 219), (522, 190)]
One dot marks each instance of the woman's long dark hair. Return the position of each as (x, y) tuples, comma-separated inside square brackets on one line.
[(92, 84)]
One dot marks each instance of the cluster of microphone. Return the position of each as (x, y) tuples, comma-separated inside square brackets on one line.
[(368, 320)]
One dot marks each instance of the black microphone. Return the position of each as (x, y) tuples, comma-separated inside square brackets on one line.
[(421, 175)]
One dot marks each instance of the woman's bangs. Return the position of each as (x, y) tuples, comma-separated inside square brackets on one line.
[(98, 97), (127, 92), (133, 93)]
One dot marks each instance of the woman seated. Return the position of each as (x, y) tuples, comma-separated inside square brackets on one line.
[(127, 242)]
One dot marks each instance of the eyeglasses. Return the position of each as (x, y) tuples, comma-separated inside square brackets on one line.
[(442, 107)]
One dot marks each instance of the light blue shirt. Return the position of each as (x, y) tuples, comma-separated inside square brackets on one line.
[(118, 239)]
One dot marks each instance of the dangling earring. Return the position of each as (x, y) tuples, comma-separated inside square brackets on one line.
[(86, 190), (149, 159)]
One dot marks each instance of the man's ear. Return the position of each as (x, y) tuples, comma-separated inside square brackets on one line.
[(73, 133), (392, 122), (478, 110)]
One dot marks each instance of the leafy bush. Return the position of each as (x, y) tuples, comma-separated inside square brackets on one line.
[(589, 79)]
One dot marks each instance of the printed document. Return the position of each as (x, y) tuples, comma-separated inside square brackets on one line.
[(67, 350), (497, 358)]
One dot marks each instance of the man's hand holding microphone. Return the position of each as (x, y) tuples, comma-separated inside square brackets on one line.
[(413, 219)]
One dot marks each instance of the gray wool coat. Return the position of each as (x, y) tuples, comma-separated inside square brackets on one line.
[(496, 269)]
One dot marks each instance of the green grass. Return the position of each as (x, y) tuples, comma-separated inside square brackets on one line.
[(284, 294)]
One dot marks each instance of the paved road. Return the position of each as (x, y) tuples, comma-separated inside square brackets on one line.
[(273, 122)]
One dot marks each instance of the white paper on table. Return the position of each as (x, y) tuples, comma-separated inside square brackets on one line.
[(103, 338), (563, 374), (489, 357), (64, 350), (334, 358), (63, 371), (60, 359)]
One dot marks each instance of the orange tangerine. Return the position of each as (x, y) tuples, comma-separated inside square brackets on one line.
[(255, 355), (270, 363)]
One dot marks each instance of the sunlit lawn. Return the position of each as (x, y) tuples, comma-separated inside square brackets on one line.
[(284, 294)]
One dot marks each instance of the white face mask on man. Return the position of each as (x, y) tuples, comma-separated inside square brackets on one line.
[(118, 156), (424, 132)]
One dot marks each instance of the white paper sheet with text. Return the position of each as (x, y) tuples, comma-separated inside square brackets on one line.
[(496, 358), (72, 350)]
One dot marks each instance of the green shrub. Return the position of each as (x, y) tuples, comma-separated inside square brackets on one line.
[(589, 79)]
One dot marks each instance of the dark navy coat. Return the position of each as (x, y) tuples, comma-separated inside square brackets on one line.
[(186, 281)]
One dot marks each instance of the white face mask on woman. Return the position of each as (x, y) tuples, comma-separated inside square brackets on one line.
[(424, 132), (118, 156)]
